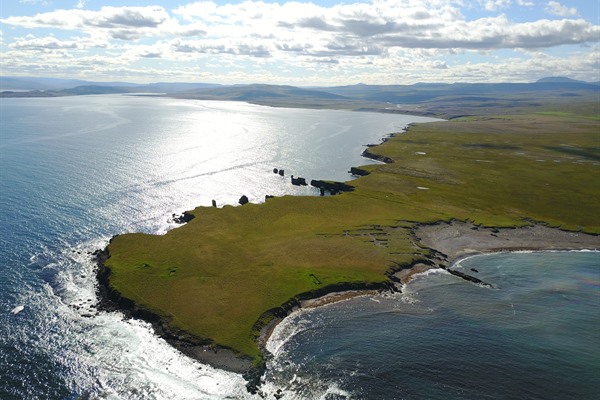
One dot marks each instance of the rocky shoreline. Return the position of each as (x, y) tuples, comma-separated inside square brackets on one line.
[(204, 350), (448, 242), (197, 348), (456, 240)]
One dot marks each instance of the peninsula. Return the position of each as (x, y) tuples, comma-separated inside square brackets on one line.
[(214, 285)]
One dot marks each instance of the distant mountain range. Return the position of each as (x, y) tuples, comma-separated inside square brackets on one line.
[(8, 83), (439, 99)]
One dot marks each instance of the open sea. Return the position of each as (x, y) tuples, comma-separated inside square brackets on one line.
[(75, 171)]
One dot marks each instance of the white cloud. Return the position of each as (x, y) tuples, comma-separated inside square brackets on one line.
[(377, 38), (493, 5), (47, 43), (125, 23), (34, 2), (555, 8), (52, 43)]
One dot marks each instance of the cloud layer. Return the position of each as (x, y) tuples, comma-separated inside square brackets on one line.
[(383, 41)]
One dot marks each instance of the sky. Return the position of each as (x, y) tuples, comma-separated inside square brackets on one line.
[(323, 42)]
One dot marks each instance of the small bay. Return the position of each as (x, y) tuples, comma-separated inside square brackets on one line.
[(534, 335)]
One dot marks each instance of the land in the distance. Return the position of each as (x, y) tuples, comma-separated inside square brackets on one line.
[(220, 280), (431, 99)]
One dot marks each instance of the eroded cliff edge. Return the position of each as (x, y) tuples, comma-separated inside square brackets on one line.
[(229, 273)]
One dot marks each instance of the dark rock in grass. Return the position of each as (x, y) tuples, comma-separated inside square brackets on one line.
[(333, 187), (269, 196), (358, 171), (243, 200), (214, 203)]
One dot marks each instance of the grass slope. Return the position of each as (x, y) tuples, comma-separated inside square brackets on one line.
[(217, 275)]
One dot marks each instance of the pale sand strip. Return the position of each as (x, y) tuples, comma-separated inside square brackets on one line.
[(456, 240)]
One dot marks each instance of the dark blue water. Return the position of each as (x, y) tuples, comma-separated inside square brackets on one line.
[(536, 335), (75, 171)]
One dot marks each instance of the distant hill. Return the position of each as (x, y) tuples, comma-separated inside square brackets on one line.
[(55, 84), (175, 87), (257, 92), (97, 89), (559, 79), (274, 95), (431, 99), (8, 83)]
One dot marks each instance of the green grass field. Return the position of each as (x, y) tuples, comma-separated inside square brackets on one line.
[(217, 275)]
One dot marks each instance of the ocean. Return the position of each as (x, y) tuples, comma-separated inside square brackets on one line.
[(75, 171)]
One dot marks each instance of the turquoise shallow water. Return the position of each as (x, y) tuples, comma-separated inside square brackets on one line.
[(75, 171)]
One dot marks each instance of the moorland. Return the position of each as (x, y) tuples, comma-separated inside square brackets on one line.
[(220, 279)]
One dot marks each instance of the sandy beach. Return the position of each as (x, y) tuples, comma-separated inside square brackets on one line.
[(455, 240)]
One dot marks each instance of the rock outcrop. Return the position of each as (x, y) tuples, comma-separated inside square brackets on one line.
[(358, 171), (182, 218), (377, 157), (298, 181), (332, 186)]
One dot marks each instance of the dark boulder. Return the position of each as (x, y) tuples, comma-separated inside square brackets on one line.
[(332, 186), (358, 171), (377, 157), (214, 203), (243, 200), (281, 172), (182, 218), (275, 170)]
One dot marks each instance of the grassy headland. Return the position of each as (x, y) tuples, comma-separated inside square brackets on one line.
[(217, 276)]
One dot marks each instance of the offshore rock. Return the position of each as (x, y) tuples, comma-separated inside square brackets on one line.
[(468, 277), (298, 181)]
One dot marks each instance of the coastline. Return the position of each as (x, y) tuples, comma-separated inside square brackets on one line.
[(199, 349), (453, 241), (448, 242)]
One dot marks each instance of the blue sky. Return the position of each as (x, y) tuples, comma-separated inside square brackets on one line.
[(301, 43)]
